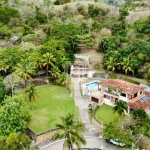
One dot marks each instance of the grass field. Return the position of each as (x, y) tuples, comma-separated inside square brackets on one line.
[(54, 101), (104, 114)]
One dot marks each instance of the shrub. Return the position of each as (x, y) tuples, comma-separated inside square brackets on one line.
[(6, 13), (57, 2), (93, 10), (30, 37), (41, 17), (5, 31)]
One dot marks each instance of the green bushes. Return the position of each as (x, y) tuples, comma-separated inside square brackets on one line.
[(130, 80), (94, 11), (30, 37), (5, 31), (41, 17), (6, 13), (112, 76)]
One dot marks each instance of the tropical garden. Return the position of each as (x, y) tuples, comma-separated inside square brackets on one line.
[(39, 39), (130, 129)]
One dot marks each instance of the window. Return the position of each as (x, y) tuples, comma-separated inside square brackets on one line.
[(135, 95), (106, 96), (123, 94)]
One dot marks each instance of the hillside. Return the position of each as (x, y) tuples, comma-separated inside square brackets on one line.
[(71, 27)]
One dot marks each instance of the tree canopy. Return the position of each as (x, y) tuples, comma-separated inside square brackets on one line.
[(14, 114)]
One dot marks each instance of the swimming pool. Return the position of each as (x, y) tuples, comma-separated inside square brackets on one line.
[(92, 85)]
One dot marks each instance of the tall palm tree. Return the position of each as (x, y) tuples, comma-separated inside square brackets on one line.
[(32, 93), (111, 64), (127, 65), (120, 107), (48, 60), (70, 131), (24, 70), (37, 61)]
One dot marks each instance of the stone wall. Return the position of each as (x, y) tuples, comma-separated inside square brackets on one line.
[(42, 137)]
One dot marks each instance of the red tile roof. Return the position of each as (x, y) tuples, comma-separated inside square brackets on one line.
[(127, 87), (136, 103)]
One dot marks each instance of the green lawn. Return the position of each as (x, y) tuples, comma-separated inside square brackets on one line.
[(54, 101), (104, 114)]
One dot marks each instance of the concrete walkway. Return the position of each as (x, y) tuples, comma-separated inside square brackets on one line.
[(83, 103)]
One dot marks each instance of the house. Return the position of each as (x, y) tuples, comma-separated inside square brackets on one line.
[(112, 90)]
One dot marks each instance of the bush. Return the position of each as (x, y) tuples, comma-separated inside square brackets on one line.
[(130, 80), (57, 2), (27, 30), (32, 22), (30, 37), (93, 10), (40, 16), (5, 31), (6, 13), (112, 76)]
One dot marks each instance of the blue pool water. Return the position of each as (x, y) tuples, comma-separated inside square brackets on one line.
[(92, 85)]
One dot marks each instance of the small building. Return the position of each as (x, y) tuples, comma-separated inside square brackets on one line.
[(81, 66)]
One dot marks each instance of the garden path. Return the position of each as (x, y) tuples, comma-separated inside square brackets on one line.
[(83, 103)]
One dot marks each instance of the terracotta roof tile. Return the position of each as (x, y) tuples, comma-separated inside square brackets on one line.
[(136, 103), (127, 87)]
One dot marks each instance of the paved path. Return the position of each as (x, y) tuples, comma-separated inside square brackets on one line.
[(83, 103), (92, 142)]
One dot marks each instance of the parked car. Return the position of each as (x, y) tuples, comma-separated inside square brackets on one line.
[(115, 142)]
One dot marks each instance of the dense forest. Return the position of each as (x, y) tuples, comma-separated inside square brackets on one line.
[(33, 33)]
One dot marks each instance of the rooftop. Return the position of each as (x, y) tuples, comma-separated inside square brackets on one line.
[(136, 102), (127, 87)]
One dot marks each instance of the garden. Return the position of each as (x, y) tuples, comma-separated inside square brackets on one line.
[(54, 101), (105, 115)]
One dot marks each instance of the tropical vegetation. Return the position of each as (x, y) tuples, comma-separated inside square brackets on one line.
[(39, 39), (70, 131)]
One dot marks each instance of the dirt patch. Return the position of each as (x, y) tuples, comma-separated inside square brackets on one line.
[(95, 58)]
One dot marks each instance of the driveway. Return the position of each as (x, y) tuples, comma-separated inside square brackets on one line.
[(92, 142)]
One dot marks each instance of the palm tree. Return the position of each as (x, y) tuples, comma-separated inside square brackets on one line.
[(120, 107), (127, 65), (111, 64), (55, 72), (70, 131), (24, 70), (48, 60), (37, 60), (3, 67), (32, 93)]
